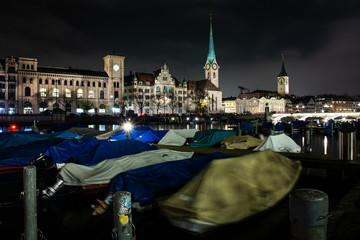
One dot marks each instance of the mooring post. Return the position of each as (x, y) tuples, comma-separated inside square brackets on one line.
[(122, 216), (239, 129), (309, 212), (30, 203), (308, 140), (256, 126), (292, 129), (332, 128)]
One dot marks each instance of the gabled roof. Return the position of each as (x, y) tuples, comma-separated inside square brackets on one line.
[(203, 85)]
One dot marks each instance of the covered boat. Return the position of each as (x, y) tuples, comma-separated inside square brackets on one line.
[(101, 173), (147, 183), (210, 137), (177, 137), (140, 133), (231, 190), (279, 143), (94, 151), (241, 142)]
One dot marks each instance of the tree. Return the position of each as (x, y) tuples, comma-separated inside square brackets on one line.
[(86, 105), (157, 100), (173, 102), (199, 99), (139, 101)]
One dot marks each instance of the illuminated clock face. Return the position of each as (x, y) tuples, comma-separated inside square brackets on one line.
[(207, 66), (214, 66), (281, 80), (116, 67)]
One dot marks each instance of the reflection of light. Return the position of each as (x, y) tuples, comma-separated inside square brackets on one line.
[(187, 119), (196, 119), (325, 145), (172, 118), (303, 141)]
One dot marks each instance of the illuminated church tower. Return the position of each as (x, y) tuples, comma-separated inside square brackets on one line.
[(283, 80), (211, 67)]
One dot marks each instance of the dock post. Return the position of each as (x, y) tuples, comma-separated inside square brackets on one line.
[(122, 216), (256, 127), (30, 203), (239, 129), (309, 212), (332, 129), (292, 128), (308, 140)]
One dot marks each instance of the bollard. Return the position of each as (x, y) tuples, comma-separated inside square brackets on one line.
[(292, 128), (256, 127), (122, 216), (308, 212), (30, 203)]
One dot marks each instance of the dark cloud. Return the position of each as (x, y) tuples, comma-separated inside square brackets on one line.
[(319, 39)]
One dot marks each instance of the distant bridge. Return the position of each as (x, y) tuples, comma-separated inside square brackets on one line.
[(326, 116)]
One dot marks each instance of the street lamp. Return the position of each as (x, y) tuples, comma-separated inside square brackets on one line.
[(127, 127)]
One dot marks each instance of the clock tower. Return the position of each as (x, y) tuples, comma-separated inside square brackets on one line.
[(283, 80), (211, 67), (114, 67)]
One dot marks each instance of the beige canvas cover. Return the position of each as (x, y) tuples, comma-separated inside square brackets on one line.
[(232, 189), (241, 142)]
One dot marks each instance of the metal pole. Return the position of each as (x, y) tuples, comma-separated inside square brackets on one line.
[(30, 203), (256, 127), (122, 216), (308, 212), (239, 129), (292, 128), (308, 141)]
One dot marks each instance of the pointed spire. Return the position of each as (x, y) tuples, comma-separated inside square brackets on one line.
[(134, 78), (282, 72), (211, 55)]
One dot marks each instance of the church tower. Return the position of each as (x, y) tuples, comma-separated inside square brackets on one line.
[(211, 67), (283, 80)]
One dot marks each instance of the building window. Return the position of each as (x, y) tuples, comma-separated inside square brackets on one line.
[(170, 89), (116, 94), (42, 92), (82, 83), (31, 80), (93, 84), (40, 81), (58, 82), (164, 78), (68, 93), (157, 89), (23, 66), (117, 84), (27, 92), (24, 80), (88, 84), (101, 94), (56, 92), (77, 83), (80, 93), (164, 89), (71, 82), (104, 85), (91, 94), (114, 84), (99, 85), (46, 81), (53, 82), (65, 82), (214, 75)]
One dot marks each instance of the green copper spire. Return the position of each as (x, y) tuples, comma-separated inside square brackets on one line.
[(282, 72), (211, 55)]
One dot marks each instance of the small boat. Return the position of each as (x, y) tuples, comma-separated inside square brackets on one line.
[(231, 190)]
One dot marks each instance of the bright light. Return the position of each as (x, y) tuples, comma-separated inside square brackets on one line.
[(13, 127), (127, 126)]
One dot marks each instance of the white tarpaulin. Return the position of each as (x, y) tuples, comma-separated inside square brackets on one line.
[(177, 137), (103, 172), (279, 143)]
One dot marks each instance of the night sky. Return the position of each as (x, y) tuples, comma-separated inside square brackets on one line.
[(320, 39)]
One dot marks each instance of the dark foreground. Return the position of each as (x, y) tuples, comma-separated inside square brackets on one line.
[(69, 217)]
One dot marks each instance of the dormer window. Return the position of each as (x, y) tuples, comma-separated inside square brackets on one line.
[(164, 78)]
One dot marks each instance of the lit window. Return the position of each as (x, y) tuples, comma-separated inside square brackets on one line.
[(68, 93), (42, 92), (56, 92), (80, 93), (91, 94)]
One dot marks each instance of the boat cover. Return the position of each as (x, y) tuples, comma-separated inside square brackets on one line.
[(233, 189), (279, 143), (246, 126), (21, 139), (23, 155), (241, 142), (177, 137), (94, 151), (103, 172), (210, 137), (140, 133), (149, 182)]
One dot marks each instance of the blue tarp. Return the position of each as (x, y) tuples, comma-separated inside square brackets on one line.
[(152, 181), (210, 137), (141, 133), (16, 139), (94, 151), (23, 155)]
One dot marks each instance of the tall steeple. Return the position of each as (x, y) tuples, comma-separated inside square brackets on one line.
[(283, 79), (211, 67), (283, 71), (211, 54)]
